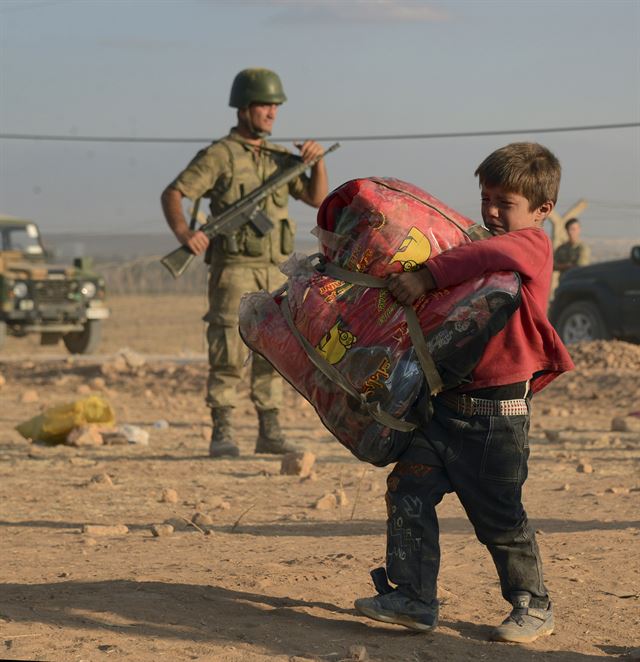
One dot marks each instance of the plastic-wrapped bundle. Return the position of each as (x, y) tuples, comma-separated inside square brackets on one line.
[(383, 226), (362, 332), (347, 347)]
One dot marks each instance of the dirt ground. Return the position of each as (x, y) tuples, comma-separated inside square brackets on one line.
[(271, 577)]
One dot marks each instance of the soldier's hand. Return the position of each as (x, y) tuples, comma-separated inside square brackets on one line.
[(309, 150), (197, 242)]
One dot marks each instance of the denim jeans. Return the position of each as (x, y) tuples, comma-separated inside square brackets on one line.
[(483, 459)]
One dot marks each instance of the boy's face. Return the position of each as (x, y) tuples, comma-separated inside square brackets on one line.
[(503, 211)]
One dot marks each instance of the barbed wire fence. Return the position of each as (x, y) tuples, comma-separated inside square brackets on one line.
[(145, 275)]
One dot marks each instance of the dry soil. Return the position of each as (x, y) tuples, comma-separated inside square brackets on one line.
[(271, 577)]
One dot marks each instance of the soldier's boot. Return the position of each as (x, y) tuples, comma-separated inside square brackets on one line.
[(222, 443), (270, 437)]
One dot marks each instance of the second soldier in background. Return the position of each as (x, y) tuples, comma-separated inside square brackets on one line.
[(225, 172), (573, 252)]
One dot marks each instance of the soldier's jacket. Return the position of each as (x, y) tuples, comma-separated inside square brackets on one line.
[(228, 170), (577, 255)]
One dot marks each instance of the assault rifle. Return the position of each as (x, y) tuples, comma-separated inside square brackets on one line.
[(246, 210)]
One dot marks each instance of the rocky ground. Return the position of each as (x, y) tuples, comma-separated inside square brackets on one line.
[(265, 566)]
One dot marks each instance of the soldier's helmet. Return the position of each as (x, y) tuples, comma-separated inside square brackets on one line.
[(256, 86)]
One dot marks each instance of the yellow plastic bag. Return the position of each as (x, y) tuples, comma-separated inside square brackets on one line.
[(55, 423)]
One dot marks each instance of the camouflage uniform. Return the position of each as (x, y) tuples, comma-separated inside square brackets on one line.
[(224, 172), (577, 255)]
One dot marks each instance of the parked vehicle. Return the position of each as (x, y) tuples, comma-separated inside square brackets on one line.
[(57, 301), (599, 301)]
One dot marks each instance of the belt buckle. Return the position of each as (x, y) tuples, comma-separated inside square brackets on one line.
[(467, 405)]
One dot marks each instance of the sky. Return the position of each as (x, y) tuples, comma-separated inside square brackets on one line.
[(152, 68)]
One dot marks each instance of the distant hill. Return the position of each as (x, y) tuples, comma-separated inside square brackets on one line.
[(611, 249), (125, 247), (108, 247), (130, 262)]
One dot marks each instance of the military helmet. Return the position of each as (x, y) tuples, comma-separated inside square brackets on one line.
[(256, 86)]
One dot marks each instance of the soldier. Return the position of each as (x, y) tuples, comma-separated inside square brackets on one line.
[(573, 253), (224, 172)]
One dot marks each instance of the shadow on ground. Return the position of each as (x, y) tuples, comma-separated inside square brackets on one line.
[(216, 615)]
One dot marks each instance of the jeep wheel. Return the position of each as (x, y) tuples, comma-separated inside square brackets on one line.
[(85, 341), (3, 333), (581, 321)]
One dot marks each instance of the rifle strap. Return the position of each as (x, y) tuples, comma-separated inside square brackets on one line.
[(193, 221), (232, 162)]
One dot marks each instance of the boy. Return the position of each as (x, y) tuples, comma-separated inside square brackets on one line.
[(476, 442)]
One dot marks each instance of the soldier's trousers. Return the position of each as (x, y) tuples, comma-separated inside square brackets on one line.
[(483, 459), (227, 352)]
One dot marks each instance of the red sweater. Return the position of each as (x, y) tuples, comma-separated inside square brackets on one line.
[(528, 344)]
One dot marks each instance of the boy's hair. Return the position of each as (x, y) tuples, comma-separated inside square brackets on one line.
[(570, 222), (528, 169)]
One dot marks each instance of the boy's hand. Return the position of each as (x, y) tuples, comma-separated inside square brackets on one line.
[(409, 287)]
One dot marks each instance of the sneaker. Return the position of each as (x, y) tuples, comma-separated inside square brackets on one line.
[(524, 624), (395, 607)]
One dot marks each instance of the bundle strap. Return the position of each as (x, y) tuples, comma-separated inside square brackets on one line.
[(427, 363), (335, 376)]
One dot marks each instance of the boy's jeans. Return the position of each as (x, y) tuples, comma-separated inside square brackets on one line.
[(483, 459)]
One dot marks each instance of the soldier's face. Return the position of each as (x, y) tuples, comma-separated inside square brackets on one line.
[(262, 116), (574, 233)]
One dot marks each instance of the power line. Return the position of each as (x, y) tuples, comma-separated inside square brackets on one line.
[(401, 136), (22, 5)]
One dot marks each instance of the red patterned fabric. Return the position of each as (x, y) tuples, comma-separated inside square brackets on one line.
[(378, 227), (387, 225)]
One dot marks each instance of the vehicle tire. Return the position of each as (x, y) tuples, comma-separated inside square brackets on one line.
[(85, 341), (3, 333), (581, 321)]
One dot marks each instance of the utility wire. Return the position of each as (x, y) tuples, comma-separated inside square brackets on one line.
[(400, 136)]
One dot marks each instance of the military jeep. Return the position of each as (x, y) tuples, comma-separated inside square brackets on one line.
[(57, 301), (599, 301)]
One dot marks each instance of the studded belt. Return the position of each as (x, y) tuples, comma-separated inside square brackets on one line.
[(468, 406)]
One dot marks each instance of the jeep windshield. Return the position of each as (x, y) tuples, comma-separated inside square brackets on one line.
[(23, 238)]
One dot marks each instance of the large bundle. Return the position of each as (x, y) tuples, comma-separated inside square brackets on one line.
[(340, 339)]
